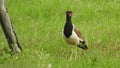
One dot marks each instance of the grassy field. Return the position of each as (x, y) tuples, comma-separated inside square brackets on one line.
[(39, 24)]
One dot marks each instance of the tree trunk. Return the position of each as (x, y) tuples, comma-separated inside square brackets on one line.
[(7, 27)]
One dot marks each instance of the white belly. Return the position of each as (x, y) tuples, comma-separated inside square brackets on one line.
[(74, 39)]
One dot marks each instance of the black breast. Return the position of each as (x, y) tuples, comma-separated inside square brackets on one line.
[(68, 29)]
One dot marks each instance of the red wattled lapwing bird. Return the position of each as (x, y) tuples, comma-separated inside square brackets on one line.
[(71, 34)]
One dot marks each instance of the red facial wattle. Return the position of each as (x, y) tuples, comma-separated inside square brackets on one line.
[(70, 14)]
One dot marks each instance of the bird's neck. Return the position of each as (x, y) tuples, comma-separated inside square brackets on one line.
[(68, 20), (68, 27)]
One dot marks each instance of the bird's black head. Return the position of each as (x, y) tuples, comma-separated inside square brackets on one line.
[(68, 13)]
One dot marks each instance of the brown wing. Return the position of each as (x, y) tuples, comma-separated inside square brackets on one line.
[(78, 32)]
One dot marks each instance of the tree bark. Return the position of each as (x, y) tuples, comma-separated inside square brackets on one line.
[(7, 27)]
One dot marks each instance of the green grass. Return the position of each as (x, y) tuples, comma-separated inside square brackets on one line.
[(39, 24)]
